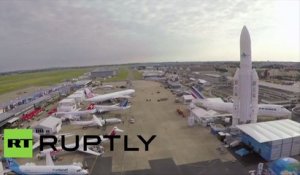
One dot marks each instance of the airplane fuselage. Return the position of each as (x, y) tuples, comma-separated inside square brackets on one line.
[(263, 109), (49, 170), (92, 123), (106, 108), (113, 95)]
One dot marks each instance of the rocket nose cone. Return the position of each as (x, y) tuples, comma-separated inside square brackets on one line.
[(245, 42)]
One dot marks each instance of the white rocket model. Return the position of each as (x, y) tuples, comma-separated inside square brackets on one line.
[(245, 87)]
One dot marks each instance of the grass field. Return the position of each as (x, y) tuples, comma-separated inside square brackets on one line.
[(137, 75), (121, 75), (14, 82)]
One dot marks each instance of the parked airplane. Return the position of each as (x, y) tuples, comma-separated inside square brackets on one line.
[(105, 108), (90, 97), (78, 113), (74, 115), (97, 122), (263, 109), (113, 132), (49, 168), (107, 86)]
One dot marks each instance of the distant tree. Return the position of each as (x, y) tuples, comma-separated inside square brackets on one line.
[(221, 69)]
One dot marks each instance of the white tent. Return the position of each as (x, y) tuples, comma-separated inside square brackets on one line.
[(279, 138)]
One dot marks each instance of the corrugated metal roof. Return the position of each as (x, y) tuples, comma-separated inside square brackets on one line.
[(292, 88), (67, 100), (4, 117), (50, 122), (83, 82), (272, 130), (200, 113), (188, 97), (13, 120)]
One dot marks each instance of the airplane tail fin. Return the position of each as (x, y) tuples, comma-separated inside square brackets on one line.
[(11, 163), (197, 94), (88, 93), (81, 141), (115, 130), (124, 103)]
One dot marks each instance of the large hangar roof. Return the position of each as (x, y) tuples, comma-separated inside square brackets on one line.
[(272, 130), (50, 122)]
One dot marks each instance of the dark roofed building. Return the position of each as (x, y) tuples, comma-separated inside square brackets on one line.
[(103, 72)]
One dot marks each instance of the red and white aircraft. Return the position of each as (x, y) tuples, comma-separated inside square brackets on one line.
[(91, 97)]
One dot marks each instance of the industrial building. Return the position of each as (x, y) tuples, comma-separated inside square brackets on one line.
[(50, 125), (203, 82), (83, 83), (211, 79), (17, 111), (187, 99), (66, 105), (285, 95), (200, 116), (173, 84), (149, 74), (273, 139), (103, 72), (78, 96)]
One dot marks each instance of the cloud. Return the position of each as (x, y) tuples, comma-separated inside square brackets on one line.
[(39, 34)]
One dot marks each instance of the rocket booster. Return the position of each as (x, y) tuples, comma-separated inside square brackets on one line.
[(245, 88)]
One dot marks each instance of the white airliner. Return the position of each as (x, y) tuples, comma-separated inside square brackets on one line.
[(48, 169), (107, 86), (90, 97), (50, 151), (263, 109), (74, 115), (78, 113), (105, 108), (95, 121)]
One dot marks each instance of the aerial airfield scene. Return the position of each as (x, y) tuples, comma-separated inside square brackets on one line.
[(150, 87)]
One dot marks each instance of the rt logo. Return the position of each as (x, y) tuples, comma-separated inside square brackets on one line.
[(18, 143)]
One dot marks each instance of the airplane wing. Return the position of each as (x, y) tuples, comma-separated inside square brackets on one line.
[(126, 107), (80, 123), (49, 160), (36, 136), (88, 151), (92, 111), (103, 140), (97, 120), (5, 171), (122, 96), (36, 145), (100, 110)]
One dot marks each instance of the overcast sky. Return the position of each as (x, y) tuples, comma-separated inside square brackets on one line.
[(50, 33)]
